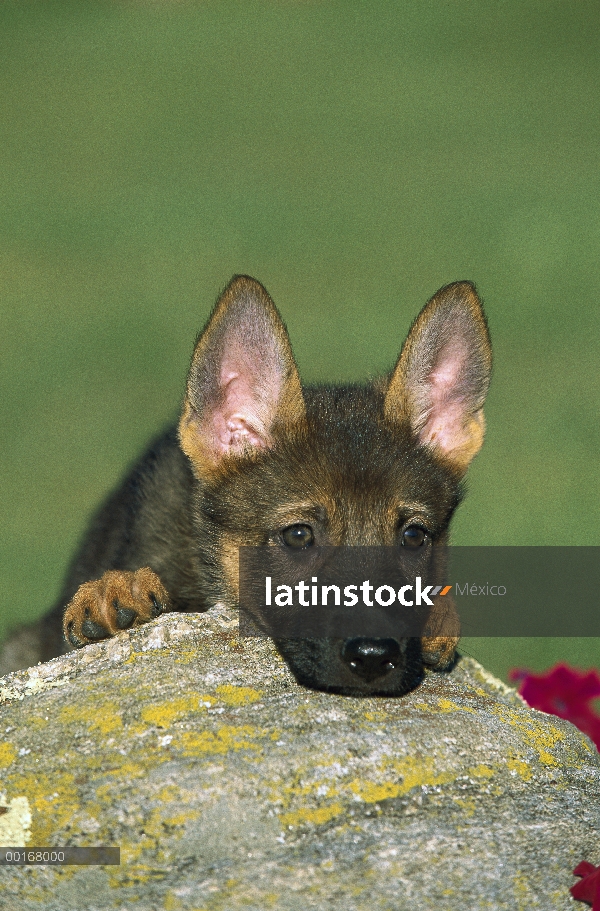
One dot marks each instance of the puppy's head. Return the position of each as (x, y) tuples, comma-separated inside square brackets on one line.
[(375, 465)]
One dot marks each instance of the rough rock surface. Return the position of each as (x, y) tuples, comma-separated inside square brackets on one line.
[(228, 786)]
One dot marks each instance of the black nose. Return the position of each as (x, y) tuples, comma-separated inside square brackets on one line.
[(371, 658)]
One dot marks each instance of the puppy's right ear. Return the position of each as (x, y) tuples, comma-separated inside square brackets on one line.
[(243, 381)]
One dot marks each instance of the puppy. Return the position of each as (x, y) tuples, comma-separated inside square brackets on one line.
[(257, 459)]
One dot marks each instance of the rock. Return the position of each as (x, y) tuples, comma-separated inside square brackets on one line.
[(226, 785)]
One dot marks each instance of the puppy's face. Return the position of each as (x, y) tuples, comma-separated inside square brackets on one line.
[(376, 465), (345, 478)]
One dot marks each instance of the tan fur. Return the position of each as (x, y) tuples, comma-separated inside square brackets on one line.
[(230, 561)]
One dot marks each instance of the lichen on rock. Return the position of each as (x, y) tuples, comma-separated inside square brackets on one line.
[(226, 785)]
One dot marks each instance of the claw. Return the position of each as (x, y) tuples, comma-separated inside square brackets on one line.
[(75, 641), (124, 617), (94, 630), (157, 607)]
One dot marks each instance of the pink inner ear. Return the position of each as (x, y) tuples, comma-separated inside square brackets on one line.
[(445, 402), (249, 392)]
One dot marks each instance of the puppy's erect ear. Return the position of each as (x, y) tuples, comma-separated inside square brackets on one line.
[(243, 381), (442, 376)]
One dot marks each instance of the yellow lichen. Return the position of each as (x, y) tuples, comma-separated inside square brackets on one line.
[(408, 773), (127, 770), (467, 803), (521, 892), (107, 724), (520, 767), (411, 772), (133, 657), (444, 706), (185, 655), (168, 793), (37, 721), (372, 792), (104, 718), (390, 779), (315, 815), (227, 737), (163, 714), (481, 771), (237, 695), (541, 736), (447, 705), (376, 716), (8, 754)]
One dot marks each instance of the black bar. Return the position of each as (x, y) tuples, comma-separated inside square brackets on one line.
[(58, 857), (398, 592)]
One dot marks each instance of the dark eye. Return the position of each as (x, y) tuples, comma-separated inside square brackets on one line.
[(298, 536), (413, 536)]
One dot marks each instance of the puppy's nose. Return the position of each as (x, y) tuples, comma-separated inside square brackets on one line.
[(371, 658)]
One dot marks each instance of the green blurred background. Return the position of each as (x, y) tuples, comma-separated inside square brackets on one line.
[(353, 156)]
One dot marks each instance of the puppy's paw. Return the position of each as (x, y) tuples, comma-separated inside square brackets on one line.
[(439, 647), (439, 651), (117, 601)]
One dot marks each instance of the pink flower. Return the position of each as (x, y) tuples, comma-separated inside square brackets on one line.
[(566, 692), (588, 888)]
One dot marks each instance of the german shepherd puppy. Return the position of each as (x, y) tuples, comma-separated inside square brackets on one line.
[(259, 460)]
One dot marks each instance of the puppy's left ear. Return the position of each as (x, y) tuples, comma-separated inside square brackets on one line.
[(442, 376)]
